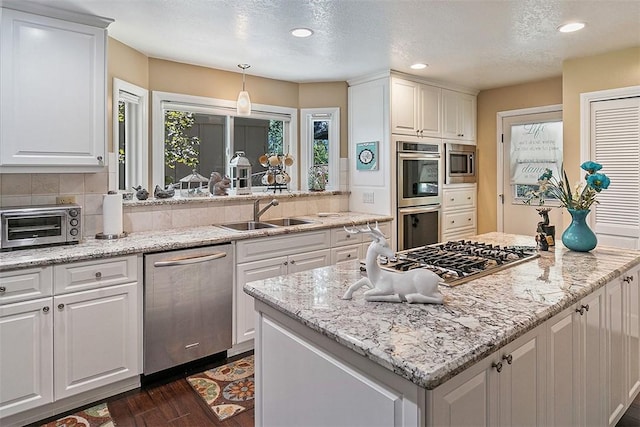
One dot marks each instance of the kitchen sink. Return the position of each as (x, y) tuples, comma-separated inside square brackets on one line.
[(286, 222), (247, 225)]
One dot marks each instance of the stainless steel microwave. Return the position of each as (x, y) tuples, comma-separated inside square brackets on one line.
[(459, 163), (25, 227)]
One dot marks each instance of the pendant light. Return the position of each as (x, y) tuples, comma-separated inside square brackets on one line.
[(244, 102)]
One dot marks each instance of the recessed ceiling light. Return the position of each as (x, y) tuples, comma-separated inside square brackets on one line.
[(571, 27), (301, 32), (419, 66)]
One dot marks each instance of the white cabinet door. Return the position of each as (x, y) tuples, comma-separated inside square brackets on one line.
[(26, 355), (591, 358), (405, 106), (430, 98), (458, 115), (244, 311), (631, 285), (96, 338), (522, 381), (53, 98), (563, 352), (616, 396)]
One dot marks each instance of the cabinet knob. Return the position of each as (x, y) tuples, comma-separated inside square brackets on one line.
[(98, 275), (3, 289), (580, 310), (99, 158), (468, 197), (286, 263), (626, 279), (453, 199), (293, 261), (60, 306), (452, 221), (45, 309), (508, 358), (348, 236), (498, 366), (348, 255), (586, 307)]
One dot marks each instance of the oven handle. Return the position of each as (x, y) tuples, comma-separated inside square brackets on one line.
[(409, 155), (189, 260), (421, 209)]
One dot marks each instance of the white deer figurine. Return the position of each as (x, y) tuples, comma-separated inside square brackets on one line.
[(413, 286)]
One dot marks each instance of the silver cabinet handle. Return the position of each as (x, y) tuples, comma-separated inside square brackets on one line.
[(45, 309), (498, 366), (99, 158), (60, 306), (286, 263), (293, 261), (98, 275), (580, 310), (3, 289), (627, 279), (508, 358), (189, 260)]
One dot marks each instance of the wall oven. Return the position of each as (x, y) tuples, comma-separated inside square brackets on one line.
[(419, 191), (418, 173), (459, 163)]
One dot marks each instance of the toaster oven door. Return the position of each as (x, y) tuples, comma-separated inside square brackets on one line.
[(24, 230)]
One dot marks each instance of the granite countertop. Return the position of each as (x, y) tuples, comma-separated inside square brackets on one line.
[(178, 238), (428, 344)]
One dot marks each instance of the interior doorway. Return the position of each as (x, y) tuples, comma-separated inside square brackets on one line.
[(529, 141)]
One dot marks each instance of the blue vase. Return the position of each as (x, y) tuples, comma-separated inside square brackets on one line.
[(578, 236)]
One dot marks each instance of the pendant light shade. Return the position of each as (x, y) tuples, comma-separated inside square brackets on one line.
[(243, 106)]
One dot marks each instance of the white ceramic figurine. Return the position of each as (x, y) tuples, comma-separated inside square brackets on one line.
[(413, 286)]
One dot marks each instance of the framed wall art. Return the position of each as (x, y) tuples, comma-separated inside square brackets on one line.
[(367, 156)]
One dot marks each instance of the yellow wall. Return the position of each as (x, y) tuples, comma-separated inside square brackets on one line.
[(490, 102), (318, 95), (589, 74)]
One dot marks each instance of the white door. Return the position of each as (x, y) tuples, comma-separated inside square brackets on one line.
[(615, 143), (525, 137)]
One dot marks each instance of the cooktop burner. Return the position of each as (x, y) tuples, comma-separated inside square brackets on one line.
[(459, 261)]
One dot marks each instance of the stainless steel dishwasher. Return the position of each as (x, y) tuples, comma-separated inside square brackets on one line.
[(187, 305)]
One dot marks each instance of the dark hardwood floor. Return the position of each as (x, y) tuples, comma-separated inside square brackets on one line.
[(170, 401)]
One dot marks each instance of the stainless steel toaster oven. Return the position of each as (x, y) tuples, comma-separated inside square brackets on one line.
[(25, 227)]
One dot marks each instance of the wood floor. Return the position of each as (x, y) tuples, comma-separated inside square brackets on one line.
[(172, 402)]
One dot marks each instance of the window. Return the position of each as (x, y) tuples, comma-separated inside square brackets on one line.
[(203, 133), (320, 148), (130, 134)]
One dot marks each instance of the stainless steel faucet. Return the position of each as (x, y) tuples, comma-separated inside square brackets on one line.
[(257, 211)]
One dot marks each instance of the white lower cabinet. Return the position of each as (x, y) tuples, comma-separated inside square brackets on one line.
[(26, 355), (631, 289), (63, 345), (576, 364), (506, 388), (458, 212), (96, 338)]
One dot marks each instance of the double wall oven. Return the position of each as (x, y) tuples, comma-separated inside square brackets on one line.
[(419, 191)]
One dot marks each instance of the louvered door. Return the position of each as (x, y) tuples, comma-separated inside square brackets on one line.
[(615, 143)]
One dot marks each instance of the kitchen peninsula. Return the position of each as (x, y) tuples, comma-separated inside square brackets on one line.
[(552, 341)]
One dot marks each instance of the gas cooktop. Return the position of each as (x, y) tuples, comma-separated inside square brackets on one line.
[(460, 261)]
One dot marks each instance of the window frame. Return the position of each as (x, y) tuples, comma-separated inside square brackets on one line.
[(123, 90), (307, 116), (206, 105)]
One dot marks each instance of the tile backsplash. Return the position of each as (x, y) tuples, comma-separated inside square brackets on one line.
[(88, 190)]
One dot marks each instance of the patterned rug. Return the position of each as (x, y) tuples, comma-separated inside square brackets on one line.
[(96, 416), (228, 390)]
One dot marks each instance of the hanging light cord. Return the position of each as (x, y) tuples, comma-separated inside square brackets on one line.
[(244, 67)]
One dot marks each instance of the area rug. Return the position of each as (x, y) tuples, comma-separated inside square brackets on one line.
[(96, 416), (228, 390)]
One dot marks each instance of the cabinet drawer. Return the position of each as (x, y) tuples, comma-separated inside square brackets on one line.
[(21, 285), (459, 198), (346, 253), (458, 220), (269, 247), (340, 237), (462, 234), (96, 273)]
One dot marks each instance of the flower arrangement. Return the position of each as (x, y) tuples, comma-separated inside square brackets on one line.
[(579, 198)]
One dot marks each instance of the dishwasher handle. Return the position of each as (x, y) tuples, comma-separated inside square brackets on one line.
[(189, 260)]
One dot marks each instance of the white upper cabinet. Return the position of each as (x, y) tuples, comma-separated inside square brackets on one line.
[(53, 97), (415, 108), (458, 115)]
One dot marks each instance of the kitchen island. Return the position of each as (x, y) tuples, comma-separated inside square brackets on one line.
[(522, 345)]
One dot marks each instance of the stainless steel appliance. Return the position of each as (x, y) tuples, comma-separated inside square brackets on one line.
[(419, 191), (419, 180), (187, 305), (460, 261), (25, 227), (459, 163)]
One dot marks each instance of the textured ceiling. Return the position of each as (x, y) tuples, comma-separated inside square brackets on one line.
[(479, 44)]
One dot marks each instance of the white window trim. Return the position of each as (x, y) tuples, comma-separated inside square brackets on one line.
[(306, 153), (221, 107), (141, 128)]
